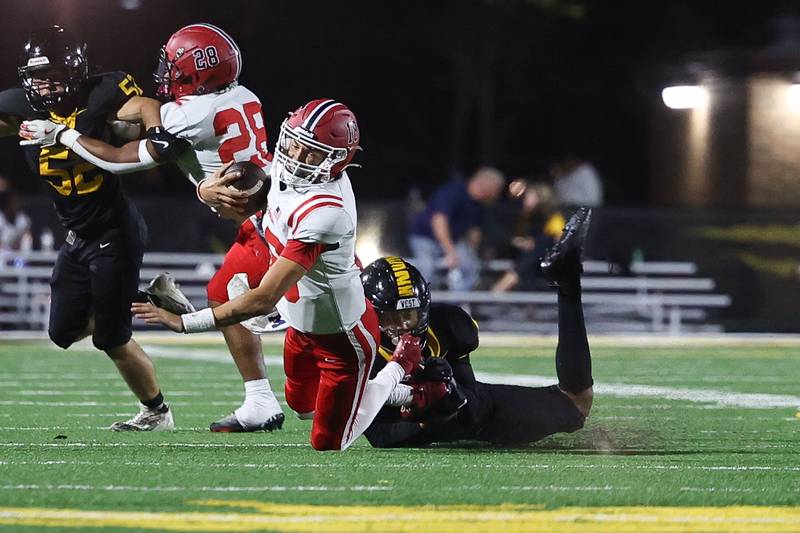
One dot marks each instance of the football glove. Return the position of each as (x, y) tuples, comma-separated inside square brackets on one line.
[(40, 132), (434, 369)]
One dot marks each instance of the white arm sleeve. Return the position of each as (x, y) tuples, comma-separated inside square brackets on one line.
[(70, 139)]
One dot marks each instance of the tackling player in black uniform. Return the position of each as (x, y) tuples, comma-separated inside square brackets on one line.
[(444, 402), (96, 275)]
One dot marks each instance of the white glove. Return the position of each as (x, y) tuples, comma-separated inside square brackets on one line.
[(39, 132)]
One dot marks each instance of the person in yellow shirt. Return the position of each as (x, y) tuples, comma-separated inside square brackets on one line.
[(537, 228)]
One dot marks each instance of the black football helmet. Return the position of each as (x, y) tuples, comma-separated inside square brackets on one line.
[(52, 67), (399, 294)]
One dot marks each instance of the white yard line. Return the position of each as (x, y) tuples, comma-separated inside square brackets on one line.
[(265, 488), (487, 339), (401, 466), (709, 398), (718, 398), (200, 354), (150, 445), (361, 488)]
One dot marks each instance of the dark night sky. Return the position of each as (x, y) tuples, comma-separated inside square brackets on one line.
[(437, 86)]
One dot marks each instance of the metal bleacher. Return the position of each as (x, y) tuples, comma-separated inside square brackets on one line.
[(661, 297), (666, 297)]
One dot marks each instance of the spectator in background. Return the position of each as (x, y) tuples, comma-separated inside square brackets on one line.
[(450, 228), (538, 227), (577, 182), (15, 226)]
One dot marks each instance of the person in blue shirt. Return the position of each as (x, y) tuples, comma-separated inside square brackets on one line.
[(449, 229)]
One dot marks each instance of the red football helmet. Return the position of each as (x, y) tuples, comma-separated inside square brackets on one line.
[(327, 128), (197, 59)]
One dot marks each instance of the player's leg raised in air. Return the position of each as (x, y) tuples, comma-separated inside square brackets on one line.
[(525, 414)]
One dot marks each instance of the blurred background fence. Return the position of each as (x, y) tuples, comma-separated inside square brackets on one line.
[(662, 270)]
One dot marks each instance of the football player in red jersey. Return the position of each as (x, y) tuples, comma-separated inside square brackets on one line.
[(197, 74), (314, 281)]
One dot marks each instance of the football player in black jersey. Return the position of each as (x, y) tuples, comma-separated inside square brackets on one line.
[(96, 274), (444, 402)]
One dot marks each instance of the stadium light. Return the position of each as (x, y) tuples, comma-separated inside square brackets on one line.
[(684, 96), (367, 248), (794, 96)]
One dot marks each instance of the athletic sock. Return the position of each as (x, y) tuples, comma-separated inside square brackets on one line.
[(259, 403), (156, 403), (573, 360)]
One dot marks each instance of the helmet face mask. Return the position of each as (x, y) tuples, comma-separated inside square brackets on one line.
[(397, 323), (312, 169), (317, 142), (53, 68), (163, 75)]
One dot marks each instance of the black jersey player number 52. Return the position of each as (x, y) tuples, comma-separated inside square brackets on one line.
[(64, 175)]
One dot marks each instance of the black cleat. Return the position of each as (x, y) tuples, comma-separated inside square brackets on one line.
[(230, 424), (563, 261)]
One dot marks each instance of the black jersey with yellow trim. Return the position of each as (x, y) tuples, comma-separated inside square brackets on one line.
[(88, 199), (452, 334)]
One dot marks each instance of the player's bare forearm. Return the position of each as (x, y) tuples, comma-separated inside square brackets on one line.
[(280, 277), (141, 109), (440, 225)]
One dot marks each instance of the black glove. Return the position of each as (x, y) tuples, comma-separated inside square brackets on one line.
[(434, 369), (167, 146)]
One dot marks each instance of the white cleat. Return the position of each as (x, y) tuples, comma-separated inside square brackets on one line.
[(147, 420)]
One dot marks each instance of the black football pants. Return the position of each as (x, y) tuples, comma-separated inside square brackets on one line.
[(98, 278)]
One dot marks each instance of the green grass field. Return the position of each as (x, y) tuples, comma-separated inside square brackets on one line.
[(697, 437)]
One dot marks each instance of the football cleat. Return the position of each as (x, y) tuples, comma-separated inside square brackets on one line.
[(165, 293), (408, 353), (231, 424), (147, 420), (563, 260)]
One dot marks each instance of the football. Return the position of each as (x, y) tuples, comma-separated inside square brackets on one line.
[(253, 181)]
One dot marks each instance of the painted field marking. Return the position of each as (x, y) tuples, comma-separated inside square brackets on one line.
[(125, 393), (718, 398), (253, 516), (402, 466), (182, 489), (151, 445), (368, 488)]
